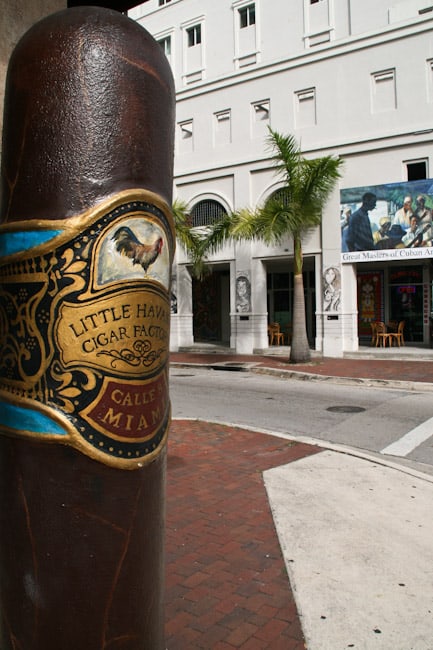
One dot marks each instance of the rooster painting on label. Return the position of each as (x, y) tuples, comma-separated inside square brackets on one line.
[(135, 248), (140, 253)]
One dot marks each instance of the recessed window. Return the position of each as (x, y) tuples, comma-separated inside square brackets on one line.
[(383, 91), (247, 16), (430, 79), (186, 129), (165, 43), (163, 2), (305, 108), (416, 170), (247, 37), (261, 110), (193, 60), (222, 128), (186, 137), (194, 35), (260, 118), (207, 212)]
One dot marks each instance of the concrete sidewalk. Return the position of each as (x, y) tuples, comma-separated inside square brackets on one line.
[(274, 543), (357, 542), (376, 368), (277, 544)]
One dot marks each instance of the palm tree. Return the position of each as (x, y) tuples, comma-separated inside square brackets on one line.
[(292, 210), (190, 239)]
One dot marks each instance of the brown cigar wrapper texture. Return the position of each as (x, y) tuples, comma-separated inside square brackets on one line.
[(89, 115)]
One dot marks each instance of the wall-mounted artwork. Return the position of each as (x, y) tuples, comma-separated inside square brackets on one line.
[(387, 222), (243, 292), (331, 289)]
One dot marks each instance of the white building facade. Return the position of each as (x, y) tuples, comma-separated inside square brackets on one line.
[(351, 78)]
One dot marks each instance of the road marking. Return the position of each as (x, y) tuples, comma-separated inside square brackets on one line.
[(411, 440)]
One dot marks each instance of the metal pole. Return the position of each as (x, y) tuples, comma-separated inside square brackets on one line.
[(86, 244)]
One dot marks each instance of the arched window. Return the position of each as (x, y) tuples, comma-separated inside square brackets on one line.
[(207, 212)]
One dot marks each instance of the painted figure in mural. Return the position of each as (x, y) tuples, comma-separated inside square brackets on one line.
[(381, 237), (418, 234), (424, 216), (331, 289), (360, 237), (396, 233), (344, 222), (413, 237), (422, 213), (403, 216), (243, 294)]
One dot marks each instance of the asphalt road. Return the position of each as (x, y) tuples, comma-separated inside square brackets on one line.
[(359, 417)]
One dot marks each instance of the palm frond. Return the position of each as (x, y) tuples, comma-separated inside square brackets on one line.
[(218, 234), (285, 153), (293, 209), (189, 238), (276, 218)]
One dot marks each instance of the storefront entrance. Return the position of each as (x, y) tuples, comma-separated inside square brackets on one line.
[(280, 296), (395, 293), (211, 308)]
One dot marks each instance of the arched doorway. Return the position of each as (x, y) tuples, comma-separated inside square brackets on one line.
[(211, 294)]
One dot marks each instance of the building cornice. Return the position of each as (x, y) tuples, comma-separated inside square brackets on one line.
[(320, 53)]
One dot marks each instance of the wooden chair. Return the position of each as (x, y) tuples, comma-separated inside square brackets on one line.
[(398, 335), (373, 332), (276, 337), (382, 336)]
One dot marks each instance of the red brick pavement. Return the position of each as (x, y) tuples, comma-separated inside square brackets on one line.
[(417, 369), (227, 586)]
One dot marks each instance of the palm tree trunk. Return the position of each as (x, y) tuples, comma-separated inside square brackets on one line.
[(300, 350)]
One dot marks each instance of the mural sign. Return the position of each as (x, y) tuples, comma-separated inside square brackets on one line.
[(387, 222)]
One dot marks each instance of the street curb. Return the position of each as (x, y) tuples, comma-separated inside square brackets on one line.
[(370, 457), (308, 376), (364, 381)]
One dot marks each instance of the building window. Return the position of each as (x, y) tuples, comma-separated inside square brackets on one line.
[(206, 213), (186, 129), (222, 128), (194, 35), (416, 170), (163, 2), (305, 108), (165, 43), (246, 33), (383, 91), (193, 50), (261, 113), (247, 16), (319, 22), (430, 79), (186, 137)]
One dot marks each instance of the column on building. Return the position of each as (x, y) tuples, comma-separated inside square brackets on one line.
[(181, 330), (335, 309)]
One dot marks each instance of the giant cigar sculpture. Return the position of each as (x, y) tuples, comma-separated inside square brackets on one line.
[(86, 247)]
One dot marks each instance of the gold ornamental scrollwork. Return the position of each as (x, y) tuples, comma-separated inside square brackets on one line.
[(85, 318)]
